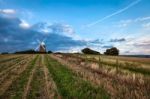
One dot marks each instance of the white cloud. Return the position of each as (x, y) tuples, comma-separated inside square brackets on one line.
[(24, 24), (45, 31), (146, 25), (142, 19), (138, 45), (61, 28), (139, 19), (125, 23), (68, 29), (7, 11)]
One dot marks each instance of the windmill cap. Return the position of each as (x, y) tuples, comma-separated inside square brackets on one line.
[(42, 43)]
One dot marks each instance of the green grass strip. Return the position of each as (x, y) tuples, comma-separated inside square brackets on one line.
[(72, 87)]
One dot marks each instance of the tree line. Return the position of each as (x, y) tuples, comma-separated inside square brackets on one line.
[(111, 51)]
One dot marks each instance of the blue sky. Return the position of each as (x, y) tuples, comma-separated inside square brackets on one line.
[(70, 25)]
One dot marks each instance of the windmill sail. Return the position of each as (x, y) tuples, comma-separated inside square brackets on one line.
[(41, 47)]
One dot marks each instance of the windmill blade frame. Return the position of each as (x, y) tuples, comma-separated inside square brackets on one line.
[(41, 44), (36, 48)]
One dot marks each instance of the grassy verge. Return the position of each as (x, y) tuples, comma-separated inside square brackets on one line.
[(16, 89), (70, 86)]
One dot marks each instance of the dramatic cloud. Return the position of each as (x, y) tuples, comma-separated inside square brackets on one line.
[(61, 28), (143, 44), (12, 36), (136, 45), (58, 28), (60, 42), (118, 40), (16, 34)]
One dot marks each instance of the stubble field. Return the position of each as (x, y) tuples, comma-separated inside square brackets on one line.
[(73, 76)]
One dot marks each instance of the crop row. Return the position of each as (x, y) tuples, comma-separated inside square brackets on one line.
[(16, 90)]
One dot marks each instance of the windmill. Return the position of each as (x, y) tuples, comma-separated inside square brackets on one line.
[(41, 47)]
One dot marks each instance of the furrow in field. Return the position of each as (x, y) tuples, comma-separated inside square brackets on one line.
[(5, 73), (13, 75), (27, 88), (116, 87), (6, 58), (16, 89), (10, 65), (37, 88), (50, 86), (40, 84)]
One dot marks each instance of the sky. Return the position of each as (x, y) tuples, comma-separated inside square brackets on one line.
[(71, 25)]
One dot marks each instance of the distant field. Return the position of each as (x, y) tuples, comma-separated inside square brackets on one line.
[(123, 58), (73, 76)]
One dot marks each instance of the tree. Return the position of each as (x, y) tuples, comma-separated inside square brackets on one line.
[(4, 53), (112, 51), (30, 51), (89, 51), (49, 52)]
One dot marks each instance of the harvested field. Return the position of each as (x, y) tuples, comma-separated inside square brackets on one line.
[(61, 76)]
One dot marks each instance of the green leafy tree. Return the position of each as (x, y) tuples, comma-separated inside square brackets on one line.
[(89, 51), (112, 51)]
